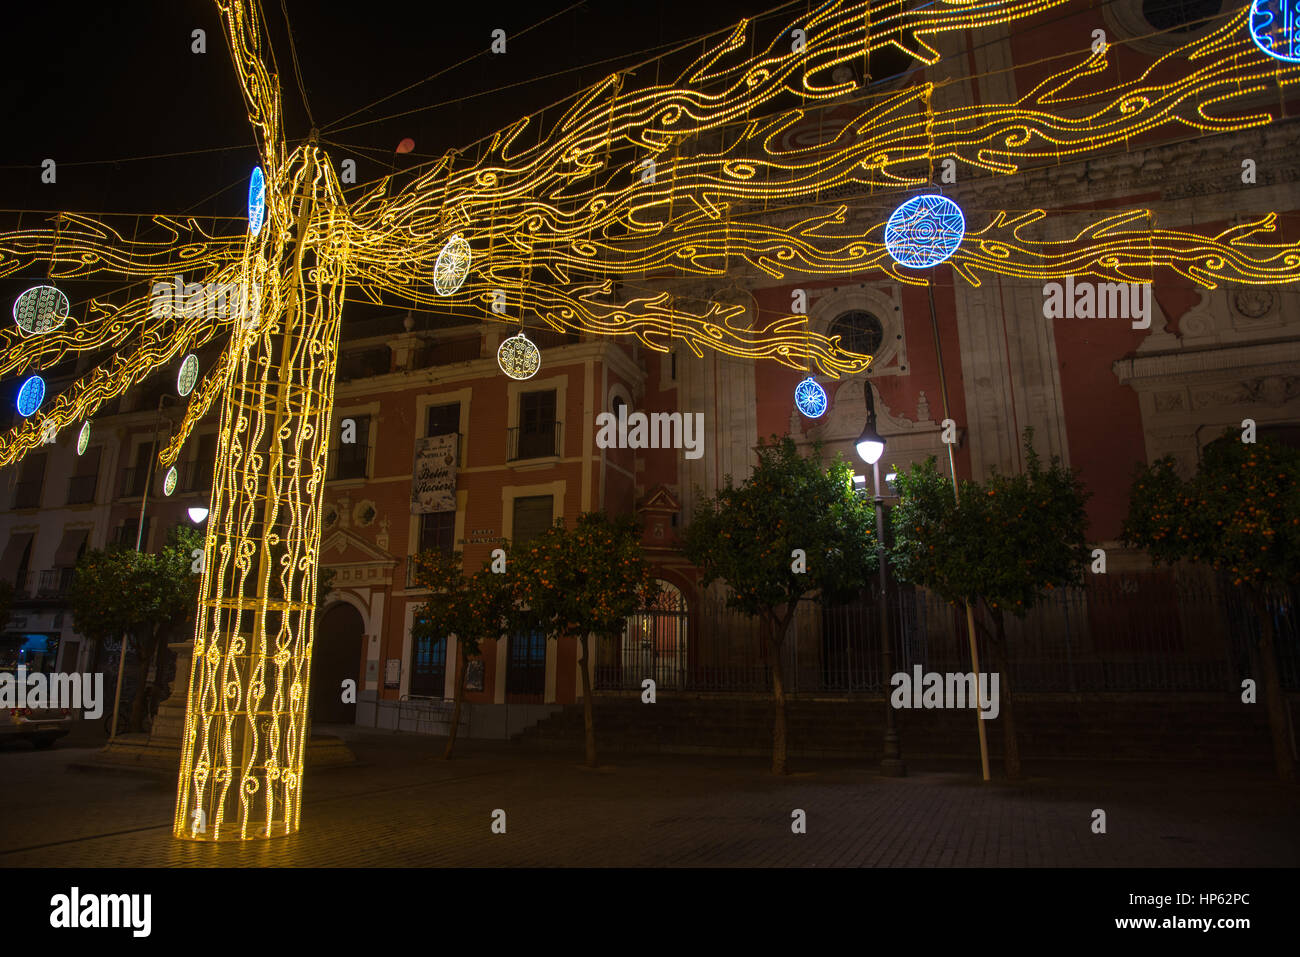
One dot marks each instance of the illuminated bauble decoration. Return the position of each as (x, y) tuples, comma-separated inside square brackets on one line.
[(1275, 28), (41, 309), (169, 481), (188, 375), (452, 267), (810, 397), (256, 201), (83, 438), (519, 358), (31, 395), (924, 231)]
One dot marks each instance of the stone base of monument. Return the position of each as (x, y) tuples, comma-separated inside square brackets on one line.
[(159, 751)]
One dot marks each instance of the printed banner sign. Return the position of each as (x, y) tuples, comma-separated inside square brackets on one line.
[(433, 479)]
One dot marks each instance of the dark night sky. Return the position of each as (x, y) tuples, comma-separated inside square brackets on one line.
[(100, 81)]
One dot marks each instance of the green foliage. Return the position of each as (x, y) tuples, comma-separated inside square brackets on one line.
[(590, 578), (1006, 541), (471, 607), (1239, 512), (746, 536), (121, 591)]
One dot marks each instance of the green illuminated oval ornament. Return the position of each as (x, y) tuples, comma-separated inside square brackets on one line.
[(169, 483), (41, 309), (83, 438), (188, 375)]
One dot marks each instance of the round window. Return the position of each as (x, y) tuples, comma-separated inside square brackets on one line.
[(859, 332)]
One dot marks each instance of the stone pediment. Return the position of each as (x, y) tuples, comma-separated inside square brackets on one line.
[(345, 548), (848, 413), (659, 499)]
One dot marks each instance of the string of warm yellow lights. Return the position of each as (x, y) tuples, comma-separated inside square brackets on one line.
[(544, 223)]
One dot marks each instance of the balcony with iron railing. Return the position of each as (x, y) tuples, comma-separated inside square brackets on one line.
[(133, 482), (81, 489), (53, 582), (196, 477), (536, 442)]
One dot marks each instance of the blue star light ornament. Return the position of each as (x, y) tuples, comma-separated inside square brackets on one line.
[(1275, 28), (924, 231), (810, 397)]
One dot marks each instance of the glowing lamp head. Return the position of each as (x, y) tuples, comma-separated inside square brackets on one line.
[(198, 514), (870, 445)]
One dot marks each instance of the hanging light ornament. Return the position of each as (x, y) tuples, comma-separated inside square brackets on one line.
[(810, 398), (169, 482), (256, 201), (924, 231), (188, 375), (83, 438), (518, 357), (452, 266), (41, 309), (31, 395), (1275, 28)]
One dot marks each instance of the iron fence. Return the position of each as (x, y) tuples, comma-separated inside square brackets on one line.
[(1138, 632)]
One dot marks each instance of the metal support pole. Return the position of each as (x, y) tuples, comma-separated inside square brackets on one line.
[(952, 471), (139, 546), (892, 764)]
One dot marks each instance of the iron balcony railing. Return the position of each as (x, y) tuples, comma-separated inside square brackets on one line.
[(133, 481), (533, 442), (81, 489), (53, 582), (27, 494)]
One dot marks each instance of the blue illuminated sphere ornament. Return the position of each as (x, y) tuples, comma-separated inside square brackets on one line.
[(924, 231), (256, 201), (1275, 28), (31, 395), (810, 397)]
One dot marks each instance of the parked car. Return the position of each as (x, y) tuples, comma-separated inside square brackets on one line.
[(41, 726)]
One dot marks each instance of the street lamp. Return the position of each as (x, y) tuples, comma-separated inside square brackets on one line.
[(198, 514), (871, 446)]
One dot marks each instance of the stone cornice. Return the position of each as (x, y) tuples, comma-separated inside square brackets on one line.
[(1260, 358)]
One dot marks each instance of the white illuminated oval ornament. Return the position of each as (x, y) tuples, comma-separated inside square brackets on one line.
[(519, 358), (83, 438), (452, 267), (169, 483), (41, 309)]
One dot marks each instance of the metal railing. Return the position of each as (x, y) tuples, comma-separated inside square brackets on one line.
[(1142, 632), (196, 477), (133, 482), (53, 582), (81, 489), (533, 443)]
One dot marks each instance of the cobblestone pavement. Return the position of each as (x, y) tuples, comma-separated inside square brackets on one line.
[(406, 808)]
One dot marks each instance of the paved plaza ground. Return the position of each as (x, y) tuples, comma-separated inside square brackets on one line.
[(405, 807)]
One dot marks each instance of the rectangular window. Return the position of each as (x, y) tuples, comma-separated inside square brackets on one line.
[(438, 532), (205, 461), (85, 477), (533, 515), (27, 490), (526, 664), (429, 667), (442, 419), (14, 561), (537, 426), (350, 459)]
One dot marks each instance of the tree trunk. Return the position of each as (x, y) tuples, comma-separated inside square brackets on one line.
[(462, 666), (1274, 701), (778, 696), (142, 674), (588, 719), (1006, 702)]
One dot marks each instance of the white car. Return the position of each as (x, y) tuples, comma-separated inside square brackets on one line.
[(41, 726)]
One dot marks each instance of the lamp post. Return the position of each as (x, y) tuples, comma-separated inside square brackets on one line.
[(871, 446), (139, 547)]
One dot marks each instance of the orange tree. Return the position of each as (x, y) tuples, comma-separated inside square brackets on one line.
[(1002, 545), (1240, 513), (471, 608), (149, 598), (747, 537), (582, 581)]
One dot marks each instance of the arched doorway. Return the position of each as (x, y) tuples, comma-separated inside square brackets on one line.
[(335, 658), (654, 640)]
